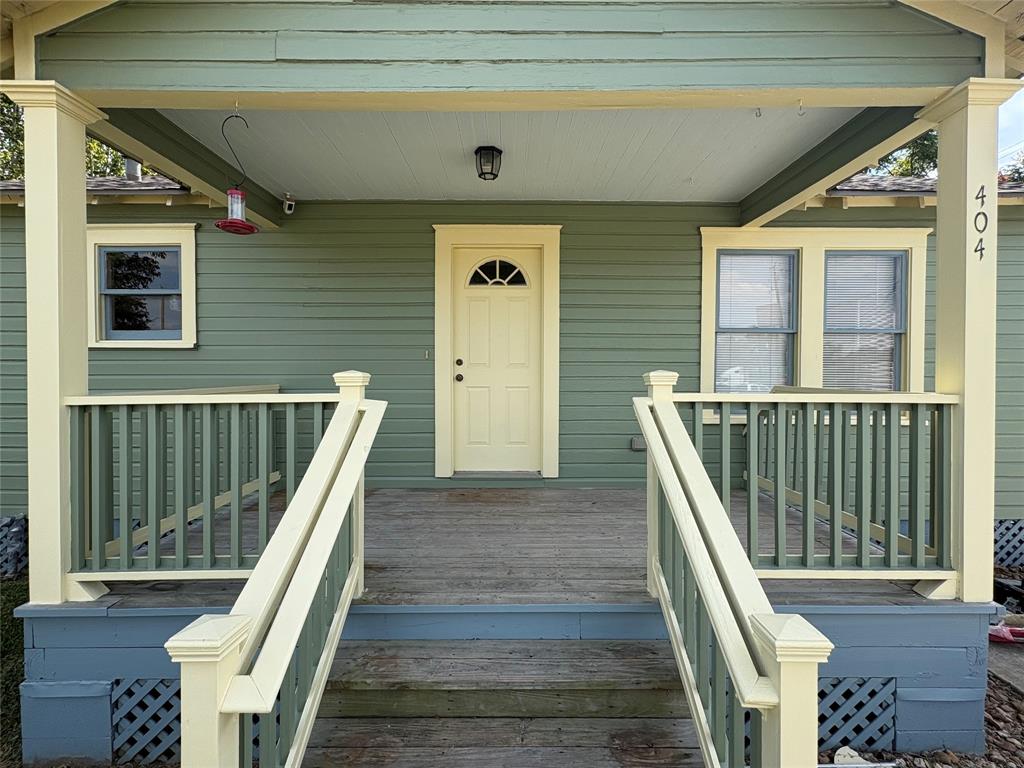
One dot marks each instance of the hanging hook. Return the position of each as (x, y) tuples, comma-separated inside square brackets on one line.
[(227, 141), (800, 111)]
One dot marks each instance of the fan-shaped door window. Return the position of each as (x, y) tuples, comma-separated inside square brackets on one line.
[(498, 272)]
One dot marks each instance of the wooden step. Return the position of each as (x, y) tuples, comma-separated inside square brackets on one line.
[(504, 678), (483, 742)]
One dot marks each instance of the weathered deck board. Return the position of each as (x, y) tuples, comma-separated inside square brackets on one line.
[(503, 546)]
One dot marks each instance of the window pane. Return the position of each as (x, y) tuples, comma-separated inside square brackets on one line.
[(144, 313), (863, 290), (755, 289), (752, 362), (143, 269), (861, 361)]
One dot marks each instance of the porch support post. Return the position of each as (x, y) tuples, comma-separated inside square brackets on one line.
[(209, 651), (55, 303), (792, 648), (352, 385), (965, 346), (659, 387)]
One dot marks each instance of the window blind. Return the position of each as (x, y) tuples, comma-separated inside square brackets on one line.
[(864, 319), (756, 320)]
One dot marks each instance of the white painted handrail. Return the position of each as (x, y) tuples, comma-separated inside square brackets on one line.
[(256, 691), (732, 626), (816, 396), (196, 398), (771, 659), (237, 664)]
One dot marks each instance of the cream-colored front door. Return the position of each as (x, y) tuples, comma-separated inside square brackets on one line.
[(497, 359)]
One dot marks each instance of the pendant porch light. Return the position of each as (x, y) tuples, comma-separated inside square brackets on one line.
[(235, 223), (488, 162)]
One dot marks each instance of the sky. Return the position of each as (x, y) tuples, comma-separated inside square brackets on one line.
[(1011, 128)]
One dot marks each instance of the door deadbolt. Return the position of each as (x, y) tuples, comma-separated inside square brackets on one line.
[(458, 361), (458, 377)]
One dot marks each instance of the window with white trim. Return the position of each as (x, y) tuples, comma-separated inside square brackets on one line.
[(142, 283), (812, 307), (756, 325), (865, 319)]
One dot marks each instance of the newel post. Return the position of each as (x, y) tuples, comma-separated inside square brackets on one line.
[(659, 387), (209, 652), (352, 385), (791, 649)]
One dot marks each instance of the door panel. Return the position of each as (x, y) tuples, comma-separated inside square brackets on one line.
[(497, 336)]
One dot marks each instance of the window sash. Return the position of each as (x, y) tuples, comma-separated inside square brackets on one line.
[(897, 331), (791, 257), (900, 271), (106, 296)]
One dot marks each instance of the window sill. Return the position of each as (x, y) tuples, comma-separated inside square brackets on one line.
[(143, 344)]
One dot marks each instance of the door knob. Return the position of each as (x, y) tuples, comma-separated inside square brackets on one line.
[(458, 377)]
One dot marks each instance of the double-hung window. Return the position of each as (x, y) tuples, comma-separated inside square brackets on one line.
[(142, 284), (756, 326), (865, 319), (140, 290), (813, 307)]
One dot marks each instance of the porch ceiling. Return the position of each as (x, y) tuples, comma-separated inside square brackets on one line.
[(602, 155)]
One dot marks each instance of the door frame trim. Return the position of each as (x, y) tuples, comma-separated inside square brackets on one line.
[(447, 237)]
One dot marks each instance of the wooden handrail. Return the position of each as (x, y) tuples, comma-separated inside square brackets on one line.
[(732, 626), (257, 690), (818, 396), (195, 398)]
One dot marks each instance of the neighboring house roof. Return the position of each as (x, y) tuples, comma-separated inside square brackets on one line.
[(867, 184), (114, 185)]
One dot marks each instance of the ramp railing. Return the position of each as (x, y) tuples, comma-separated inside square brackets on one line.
[(252, 680), (750, 674)]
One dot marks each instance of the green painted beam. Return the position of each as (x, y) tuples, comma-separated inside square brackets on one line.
[(175, 152), (870, 129)]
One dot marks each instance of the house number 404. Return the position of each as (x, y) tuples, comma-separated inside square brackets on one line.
[(980, 222)]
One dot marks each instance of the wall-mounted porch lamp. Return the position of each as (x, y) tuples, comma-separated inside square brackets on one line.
[(488, 162), (235, 223)]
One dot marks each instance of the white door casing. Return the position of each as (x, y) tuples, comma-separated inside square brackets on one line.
[(503, 325)]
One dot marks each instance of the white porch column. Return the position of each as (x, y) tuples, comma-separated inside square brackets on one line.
[(55, 308), (965, 346)]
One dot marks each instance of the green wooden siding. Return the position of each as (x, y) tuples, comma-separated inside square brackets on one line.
[(13, 464), (339, 46), (350, 285)]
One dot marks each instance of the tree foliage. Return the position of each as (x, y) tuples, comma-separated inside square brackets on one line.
[(100, 160), (918, 158), (1014, 171)]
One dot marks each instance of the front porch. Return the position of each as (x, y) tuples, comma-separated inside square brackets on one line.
[(528, 570)]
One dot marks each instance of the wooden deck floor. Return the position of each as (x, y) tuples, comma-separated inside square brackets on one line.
[(527, 546)]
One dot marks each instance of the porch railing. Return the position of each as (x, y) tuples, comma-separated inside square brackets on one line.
[(750, 675), (185, 484), (832, 484), (257, 674)]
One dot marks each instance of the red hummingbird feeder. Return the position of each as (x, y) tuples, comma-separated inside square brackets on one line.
[(235, 223)]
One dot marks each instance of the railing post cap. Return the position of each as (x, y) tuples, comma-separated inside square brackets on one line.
[(791, 637), (209, 638), (351, 379), (654, 378)]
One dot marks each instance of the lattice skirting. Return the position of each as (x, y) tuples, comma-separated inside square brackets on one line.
[(146, 719), (857, 712), (1009, 542), (13, 546)]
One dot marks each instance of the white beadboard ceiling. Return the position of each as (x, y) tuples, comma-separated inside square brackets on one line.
[(606, 155)]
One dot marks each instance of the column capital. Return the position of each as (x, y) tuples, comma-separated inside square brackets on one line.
[(975, 91), (30, 94)]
